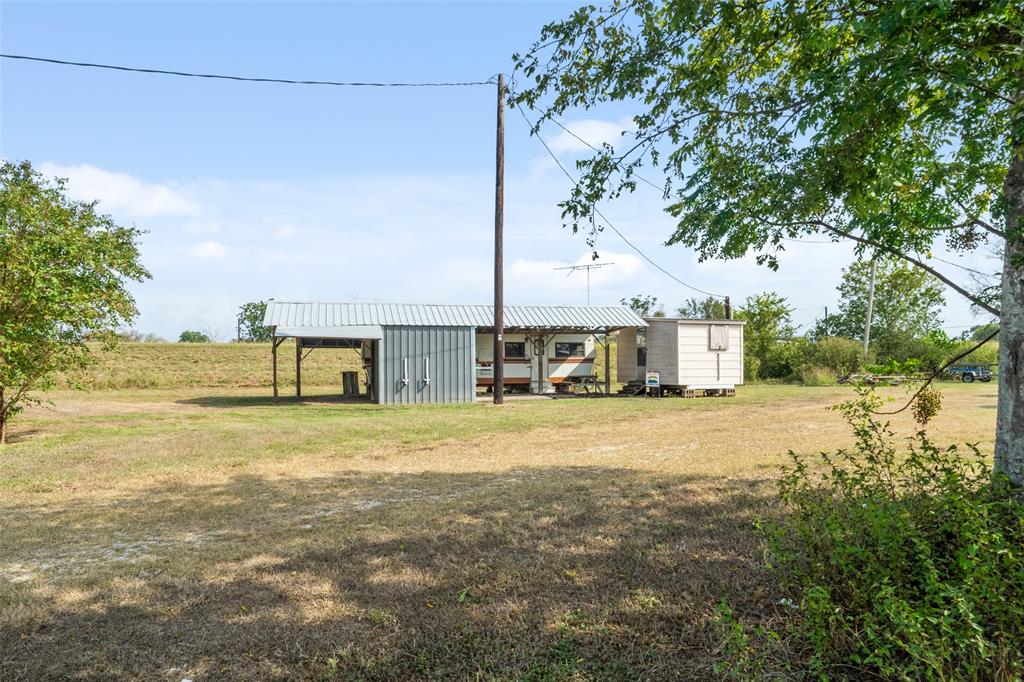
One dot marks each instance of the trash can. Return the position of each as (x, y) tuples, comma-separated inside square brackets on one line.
[(350, 384)]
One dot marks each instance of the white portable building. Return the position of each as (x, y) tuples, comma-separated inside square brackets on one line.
[(687, 354)]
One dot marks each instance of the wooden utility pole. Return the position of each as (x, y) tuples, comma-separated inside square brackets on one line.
[(499, 255), (871, 308)]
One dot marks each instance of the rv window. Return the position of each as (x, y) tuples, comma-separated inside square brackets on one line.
[(570, 349), (515, 349)]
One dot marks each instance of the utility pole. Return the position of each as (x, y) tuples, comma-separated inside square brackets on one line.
[(871, 308), (499, 256), (728, 308), (588, 267)]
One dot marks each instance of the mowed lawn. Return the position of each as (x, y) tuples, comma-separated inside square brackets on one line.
[(208, 533)]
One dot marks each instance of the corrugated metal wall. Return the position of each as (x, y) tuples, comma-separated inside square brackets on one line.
[(405, 353)]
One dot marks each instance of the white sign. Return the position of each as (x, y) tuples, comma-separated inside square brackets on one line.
[(653, 379)]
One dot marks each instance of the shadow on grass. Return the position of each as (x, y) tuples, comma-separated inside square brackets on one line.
[(537, 574), (269, 400)]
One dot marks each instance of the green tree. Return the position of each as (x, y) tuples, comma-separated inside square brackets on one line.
[(250, 322), (64, 271), (769, 322), (894, 125), (709, 308), (643, 305), (907, 303), (191, 336), (981, 331)]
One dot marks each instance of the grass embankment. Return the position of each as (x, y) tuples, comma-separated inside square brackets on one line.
[(209, 533), (181, 365), (242, 365)]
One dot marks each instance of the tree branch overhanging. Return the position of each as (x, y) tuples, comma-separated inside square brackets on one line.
[(898, 254)]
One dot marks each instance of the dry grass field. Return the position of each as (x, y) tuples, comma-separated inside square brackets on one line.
[(208, 533)]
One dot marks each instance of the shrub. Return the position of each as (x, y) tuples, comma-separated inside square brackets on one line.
[(811, 375), (988, 354), (783, 360), (189, 336), (839, 354), (900, 564), (751, 368)]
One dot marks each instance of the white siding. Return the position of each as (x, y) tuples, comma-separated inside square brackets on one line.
[(700, 366), (681, 351), (544, 363)]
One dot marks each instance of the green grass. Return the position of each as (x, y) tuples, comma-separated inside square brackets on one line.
[(210, 533)]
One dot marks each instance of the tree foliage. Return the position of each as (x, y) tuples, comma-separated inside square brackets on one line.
[(709, 308), (643, 305), (192, 336), (64, 271), (769, 322), (889, 124), (250, 322), (907, 303)]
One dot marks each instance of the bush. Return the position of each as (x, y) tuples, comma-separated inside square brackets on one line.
[(901, 565), (811, 375), (751, 368), (988, 354), (783, 360), (189, 336), (839, 354)]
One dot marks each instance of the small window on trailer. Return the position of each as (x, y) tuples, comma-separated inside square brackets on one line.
[(570, 349), (718, 337), (515, 349)]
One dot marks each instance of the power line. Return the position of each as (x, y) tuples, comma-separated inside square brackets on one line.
[(605, 218), (636, 175), (963, 267), (186, 74)]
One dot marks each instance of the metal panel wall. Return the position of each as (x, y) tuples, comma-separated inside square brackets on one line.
[(410, 352)]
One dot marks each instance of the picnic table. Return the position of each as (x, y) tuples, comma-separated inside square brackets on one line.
[(586, 384)]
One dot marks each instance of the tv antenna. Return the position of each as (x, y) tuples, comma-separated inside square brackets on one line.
[(588, 267)]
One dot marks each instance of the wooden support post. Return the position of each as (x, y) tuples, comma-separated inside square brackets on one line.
[(298, 367), (607, 367), (499, 226), (273, 353)]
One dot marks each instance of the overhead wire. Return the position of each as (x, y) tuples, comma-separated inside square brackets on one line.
[(250, 79), (963, 267), (580, 139), (597, 211)]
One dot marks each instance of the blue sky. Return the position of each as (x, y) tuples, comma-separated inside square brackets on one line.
[(252, 191)]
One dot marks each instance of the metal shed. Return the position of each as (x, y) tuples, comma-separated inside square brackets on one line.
[(427, 353)]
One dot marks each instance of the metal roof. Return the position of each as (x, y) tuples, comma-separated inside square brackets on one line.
[(294, 315)]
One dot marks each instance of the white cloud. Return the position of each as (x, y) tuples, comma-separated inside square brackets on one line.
[(120, 193), (592, 131), (359, 242), (551, 281), (208, 250), (286, 232)]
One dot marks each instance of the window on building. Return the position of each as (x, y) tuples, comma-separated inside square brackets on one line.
[(570, 349), (515, 349)]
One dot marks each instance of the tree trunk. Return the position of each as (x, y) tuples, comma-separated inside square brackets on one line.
[(1009, 457)]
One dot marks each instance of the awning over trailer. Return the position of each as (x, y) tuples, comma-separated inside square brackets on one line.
[(363, 331), (303, 317)]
